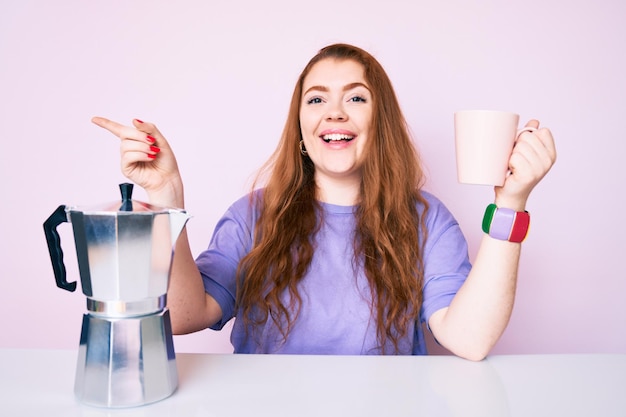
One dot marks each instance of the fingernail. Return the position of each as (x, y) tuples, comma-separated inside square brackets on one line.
[(155, 149), (151, 139), (151, 156), (139, 121)]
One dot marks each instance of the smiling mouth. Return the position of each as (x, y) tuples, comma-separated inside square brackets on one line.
[(337, 137)]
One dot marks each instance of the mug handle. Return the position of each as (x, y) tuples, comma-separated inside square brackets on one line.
[(525, 129), (519, 133)]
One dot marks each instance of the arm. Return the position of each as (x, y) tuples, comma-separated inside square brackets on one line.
[(481, 309), (148, 160)]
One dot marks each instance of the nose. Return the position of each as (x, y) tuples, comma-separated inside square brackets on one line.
[(336, 112)]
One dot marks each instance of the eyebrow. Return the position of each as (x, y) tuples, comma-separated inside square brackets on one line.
[(346, 87)]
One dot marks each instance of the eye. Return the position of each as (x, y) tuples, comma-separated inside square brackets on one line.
[(314, 100), (357, 99)]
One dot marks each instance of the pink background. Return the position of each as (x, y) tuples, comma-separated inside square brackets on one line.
[(217, 77)]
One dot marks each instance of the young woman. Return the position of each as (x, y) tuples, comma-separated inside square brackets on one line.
[(341, 251)]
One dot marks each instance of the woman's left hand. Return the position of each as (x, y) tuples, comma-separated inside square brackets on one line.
[(533, 156)]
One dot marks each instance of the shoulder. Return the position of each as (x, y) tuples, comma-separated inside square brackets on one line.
[(245, 210), (436, 210), (439, 220), (247, 204)]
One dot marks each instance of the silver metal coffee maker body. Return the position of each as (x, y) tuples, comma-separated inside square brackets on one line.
[(126, 354)]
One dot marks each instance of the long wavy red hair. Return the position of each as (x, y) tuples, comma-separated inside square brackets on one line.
[(389, 234)]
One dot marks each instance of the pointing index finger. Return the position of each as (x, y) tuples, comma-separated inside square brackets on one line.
[(109, 125)]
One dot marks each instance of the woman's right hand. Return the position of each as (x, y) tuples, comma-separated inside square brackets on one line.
[(148, 161)]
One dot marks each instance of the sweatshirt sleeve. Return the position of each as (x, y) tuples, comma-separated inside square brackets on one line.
[(446, 259), (231, 241)]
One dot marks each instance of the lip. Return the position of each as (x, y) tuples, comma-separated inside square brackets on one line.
[(337, 131)]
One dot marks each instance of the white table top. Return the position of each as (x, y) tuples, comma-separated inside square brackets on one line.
[(40, 382)]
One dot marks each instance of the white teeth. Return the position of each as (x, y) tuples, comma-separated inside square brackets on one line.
[(337, 136)]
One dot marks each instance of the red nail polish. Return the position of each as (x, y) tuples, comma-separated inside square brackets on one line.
[(139, 121), (151, 139), (155, 149), (151, 156)]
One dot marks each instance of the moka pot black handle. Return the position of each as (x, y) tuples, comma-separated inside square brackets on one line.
[(54, 247)]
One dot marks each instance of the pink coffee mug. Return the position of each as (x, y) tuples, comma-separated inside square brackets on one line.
[(484, 142)]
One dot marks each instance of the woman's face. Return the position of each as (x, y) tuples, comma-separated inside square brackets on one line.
[(335, 119)]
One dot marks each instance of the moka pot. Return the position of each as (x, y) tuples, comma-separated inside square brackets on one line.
[(124, 251)]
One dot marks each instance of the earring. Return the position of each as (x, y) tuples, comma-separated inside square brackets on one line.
[(303, 149)]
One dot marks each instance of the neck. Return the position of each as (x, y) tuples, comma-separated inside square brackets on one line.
[(344, 192)]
